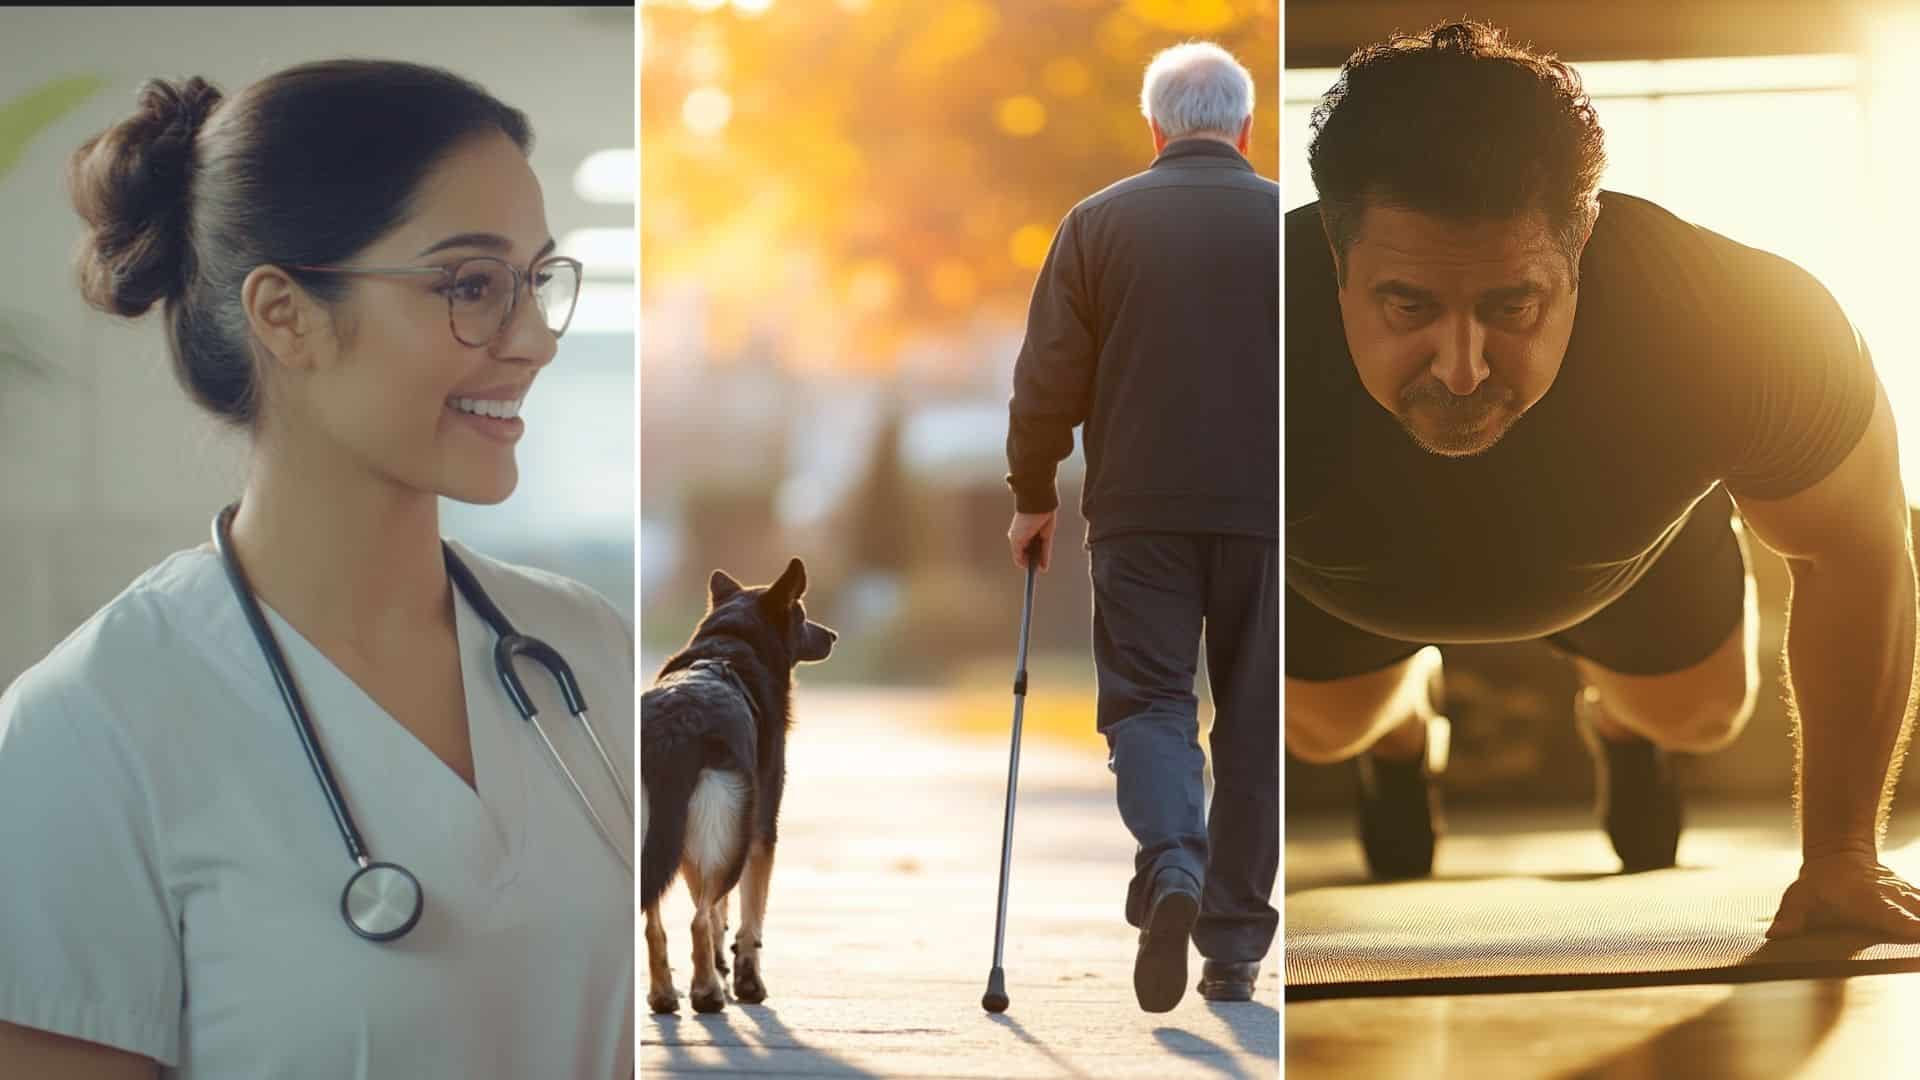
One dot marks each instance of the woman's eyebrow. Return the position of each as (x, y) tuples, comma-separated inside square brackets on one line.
[(486, 241)]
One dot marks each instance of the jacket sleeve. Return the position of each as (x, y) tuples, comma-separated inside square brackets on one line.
[(1053, 376)]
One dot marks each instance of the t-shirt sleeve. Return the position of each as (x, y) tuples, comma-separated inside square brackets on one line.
[(1801, 379), (88, 931)]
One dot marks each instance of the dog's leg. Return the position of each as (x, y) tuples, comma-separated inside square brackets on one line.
[(661, 996), (708, 993), (747, 984), (720, 934)]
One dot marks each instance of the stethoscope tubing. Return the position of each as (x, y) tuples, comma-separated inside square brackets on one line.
[(289, 693), (510, 644)]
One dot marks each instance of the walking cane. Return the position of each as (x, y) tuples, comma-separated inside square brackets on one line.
[(995, 999)]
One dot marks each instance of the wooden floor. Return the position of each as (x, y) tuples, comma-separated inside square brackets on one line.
[(1864, 1026)]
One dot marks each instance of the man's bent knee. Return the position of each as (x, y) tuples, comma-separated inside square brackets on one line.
[(1708, 727), (1322, 740), (1331, 721)]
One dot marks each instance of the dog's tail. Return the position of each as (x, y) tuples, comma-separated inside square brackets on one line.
[(668, 774), (701, 805)]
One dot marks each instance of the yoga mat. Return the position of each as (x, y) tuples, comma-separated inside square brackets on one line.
[(1564, 931)]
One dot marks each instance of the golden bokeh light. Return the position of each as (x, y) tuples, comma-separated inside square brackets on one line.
[(1066, 76), (1184, 16), (952, 284), (1021, 115), (956, 30), (1029, 246), (707, 110), (872, 286), (917, 152), (1119, 36)]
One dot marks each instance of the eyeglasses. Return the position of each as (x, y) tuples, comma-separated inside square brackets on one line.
[(482, 292)]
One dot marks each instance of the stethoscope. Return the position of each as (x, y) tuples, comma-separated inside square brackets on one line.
[(382, 900)]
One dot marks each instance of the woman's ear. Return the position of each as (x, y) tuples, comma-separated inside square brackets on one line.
[(283, 317)]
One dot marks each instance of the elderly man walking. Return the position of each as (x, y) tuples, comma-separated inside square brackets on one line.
[(1155, 324)]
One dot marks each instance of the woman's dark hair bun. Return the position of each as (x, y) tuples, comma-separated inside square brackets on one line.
[(132, 185)]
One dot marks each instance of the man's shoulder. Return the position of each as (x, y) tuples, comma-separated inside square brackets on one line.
[(1219, 177), (1635, 219), (1639, 246)]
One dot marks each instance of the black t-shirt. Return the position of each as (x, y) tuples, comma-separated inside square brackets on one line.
[(1693, 360)]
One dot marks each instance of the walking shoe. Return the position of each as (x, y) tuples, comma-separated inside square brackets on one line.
[(1228, 980), (1637, 794), (1160, 968), (1400, 818)]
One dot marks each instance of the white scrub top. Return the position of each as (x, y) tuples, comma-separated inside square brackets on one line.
[(170, 875)]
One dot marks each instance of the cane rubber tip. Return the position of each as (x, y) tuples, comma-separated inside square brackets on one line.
[(995, 999)]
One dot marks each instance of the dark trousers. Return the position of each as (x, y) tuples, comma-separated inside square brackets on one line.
[(1156, 596)]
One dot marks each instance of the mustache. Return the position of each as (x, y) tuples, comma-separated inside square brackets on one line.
[(1431, 391)]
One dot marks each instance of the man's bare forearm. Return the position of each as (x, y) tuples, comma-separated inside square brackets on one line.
[(1850, 659)]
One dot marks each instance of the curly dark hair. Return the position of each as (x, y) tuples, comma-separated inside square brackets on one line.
[(1458, 123)]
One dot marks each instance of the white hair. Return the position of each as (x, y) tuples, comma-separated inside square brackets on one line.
[(1194, 88)]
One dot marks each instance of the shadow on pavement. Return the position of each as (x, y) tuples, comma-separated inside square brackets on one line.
[(1255, 1026), (1061, 1063), (741, 1056), (1201, 1051)]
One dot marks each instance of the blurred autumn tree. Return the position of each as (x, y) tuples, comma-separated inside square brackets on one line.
[(846, 176)]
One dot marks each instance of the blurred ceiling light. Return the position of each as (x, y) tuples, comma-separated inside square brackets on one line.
[(604, 252), (1029, 245), (608, 176), (752, 7), (1021, 115), (707, 110)]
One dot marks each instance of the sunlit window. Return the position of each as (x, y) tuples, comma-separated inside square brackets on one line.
[(1810, 157)]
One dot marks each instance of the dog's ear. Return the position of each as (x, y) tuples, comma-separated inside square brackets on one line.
[(720, 586), (791, 586)]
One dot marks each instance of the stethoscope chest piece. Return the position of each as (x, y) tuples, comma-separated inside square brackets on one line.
[(382, 901)]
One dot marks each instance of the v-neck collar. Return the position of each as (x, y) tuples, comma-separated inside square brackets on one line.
[(390, 753)]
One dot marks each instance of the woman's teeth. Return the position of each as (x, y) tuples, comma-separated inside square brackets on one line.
[(499, 410)]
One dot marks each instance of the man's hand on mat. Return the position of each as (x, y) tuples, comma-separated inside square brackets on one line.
[(1850, 889)]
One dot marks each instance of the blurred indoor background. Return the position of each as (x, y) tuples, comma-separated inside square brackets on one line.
[(1787, 127), (843, 208), (108, 468)]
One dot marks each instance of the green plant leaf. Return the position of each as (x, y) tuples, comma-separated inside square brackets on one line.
[(26, 116)]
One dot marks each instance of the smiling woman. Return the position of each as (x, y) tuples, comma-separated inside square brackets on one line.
[(355, 268)]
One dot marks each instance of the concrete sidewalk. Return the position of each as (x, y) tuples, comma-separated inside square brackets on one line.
[(880, 923)]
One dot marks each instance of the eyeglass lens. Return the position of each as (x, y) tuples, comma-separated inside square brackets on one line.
[(481, 297)]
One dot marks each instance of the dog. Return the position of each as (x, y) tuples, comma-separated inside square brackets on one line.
[(713, 764)]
